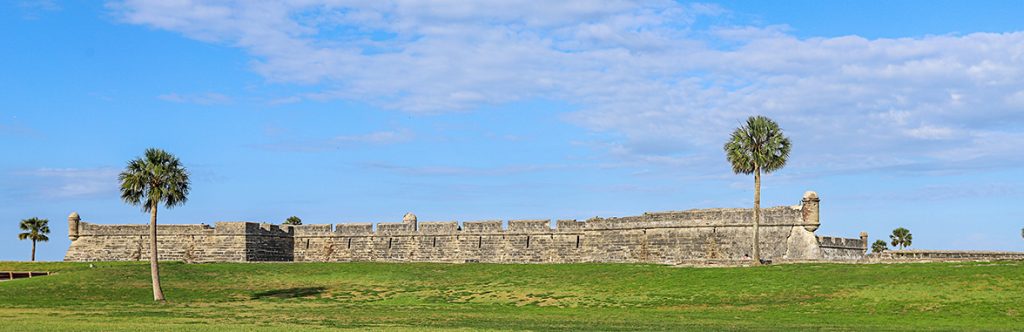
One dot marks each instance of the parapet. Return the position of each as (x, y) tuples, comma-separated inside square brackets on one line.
[(805, 215), (444, 227), (840, 243), (355, 229), (569, 225), (310, 229), (484, 226), (530, 225), (395, 228)]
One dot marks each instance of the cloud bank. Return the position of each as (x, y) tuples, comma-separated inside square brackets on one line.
[(68, 183), (665, 80)]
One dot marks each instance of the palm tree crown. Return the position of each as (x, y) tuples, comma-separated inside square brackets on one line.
[(901, 237), (879, 246), (157, 177), (36, 229), (759, 145)]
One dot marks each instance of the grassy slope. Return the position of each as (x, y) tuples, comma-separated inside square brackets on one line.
[(116, 296)]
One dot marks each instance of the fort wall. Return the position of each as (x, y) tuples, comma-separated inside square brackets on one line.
[(786, 233), (944, 255), (224, 242)]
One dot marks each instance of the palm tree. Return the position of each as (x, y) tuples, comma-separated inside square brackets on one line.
[(879, 246), (155, 178), (36, 230), (293, 220), (901, 237), (755, 147)]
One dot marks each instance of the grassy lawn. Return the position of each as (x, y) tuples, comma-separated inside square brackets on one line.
[(380, 296)]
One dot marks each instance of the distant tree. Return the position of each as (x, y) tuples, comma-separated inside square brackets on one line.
[(36, 230), (755, 147), (879, 246), (293, 220), (901, 237), (155, 178)]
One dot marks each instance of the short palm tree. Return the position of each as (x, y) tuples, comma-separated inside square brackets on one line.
[(879, 246), (36, 230), (293, 220), (153, 179), (756, 147), (901, 237)]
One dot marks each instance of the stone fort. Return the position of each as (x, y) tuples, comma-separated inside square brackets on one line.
[(672, 237)]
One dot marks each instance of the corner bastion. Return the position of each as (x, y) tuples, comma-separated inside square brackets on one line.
[(672, 237)]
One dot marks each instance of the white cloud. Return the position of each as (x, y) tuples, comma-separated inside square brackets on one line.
[(642, 71), (384, 137), (463, 171), (930, 132), (378, 137), (62, 183), (205, 99)]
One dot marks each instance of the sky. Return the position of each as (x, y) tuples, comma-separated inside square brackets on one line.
[(902, 114)]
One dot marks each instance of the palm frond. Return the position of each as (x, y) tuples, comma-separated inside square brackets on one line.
[(157, 177), (36, 229), (759, 144)]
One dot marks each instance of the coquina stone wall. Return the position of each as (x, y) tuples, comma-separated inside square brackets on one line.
[(786, 233), (944, 255), (226, 242)]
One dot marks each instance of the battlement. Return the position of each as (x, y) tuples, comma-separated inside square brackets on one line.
[(784, 216), (839, 242), (787, 232)]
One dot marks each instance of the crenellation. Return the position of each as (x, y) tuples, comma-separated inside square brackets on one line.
[(438, 227), (355, 229), (312, 229), (484, 226), (671, 237), (385, 228), (570, 225), (529, 225)]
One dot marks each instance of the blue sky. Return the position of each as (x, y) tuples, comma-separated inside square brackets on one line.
[(902, 113)]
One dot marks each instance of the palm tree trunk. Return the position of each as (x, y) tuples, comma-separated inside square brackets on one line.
[(33, 250), (757, 214), (154, 268)]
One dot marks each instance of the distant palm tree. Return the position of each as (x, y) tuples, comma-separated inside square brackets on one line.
[(901, 237), (757, 146), (879, 246), (293, 220), (36, 230), (156, 177)]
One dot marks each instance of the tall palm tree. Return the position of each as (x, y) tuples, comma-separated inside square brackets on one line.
[(901, 237), (36, 230), (153, 179), (756, 147)]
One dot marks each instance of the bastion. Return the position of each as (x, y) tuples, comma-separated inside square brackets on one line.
[(672, 237)]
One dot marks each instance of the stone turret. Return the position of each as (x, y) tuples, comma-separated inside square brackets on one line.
[(809, 207), (410, 219), (864, 241), (73, 222)]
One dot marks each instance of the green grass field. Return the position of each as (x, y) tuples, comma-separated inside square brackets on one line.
[(379, 296)]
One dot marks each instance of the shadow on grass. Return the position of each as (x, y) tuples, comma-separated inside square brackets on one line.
[(289, 293)]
